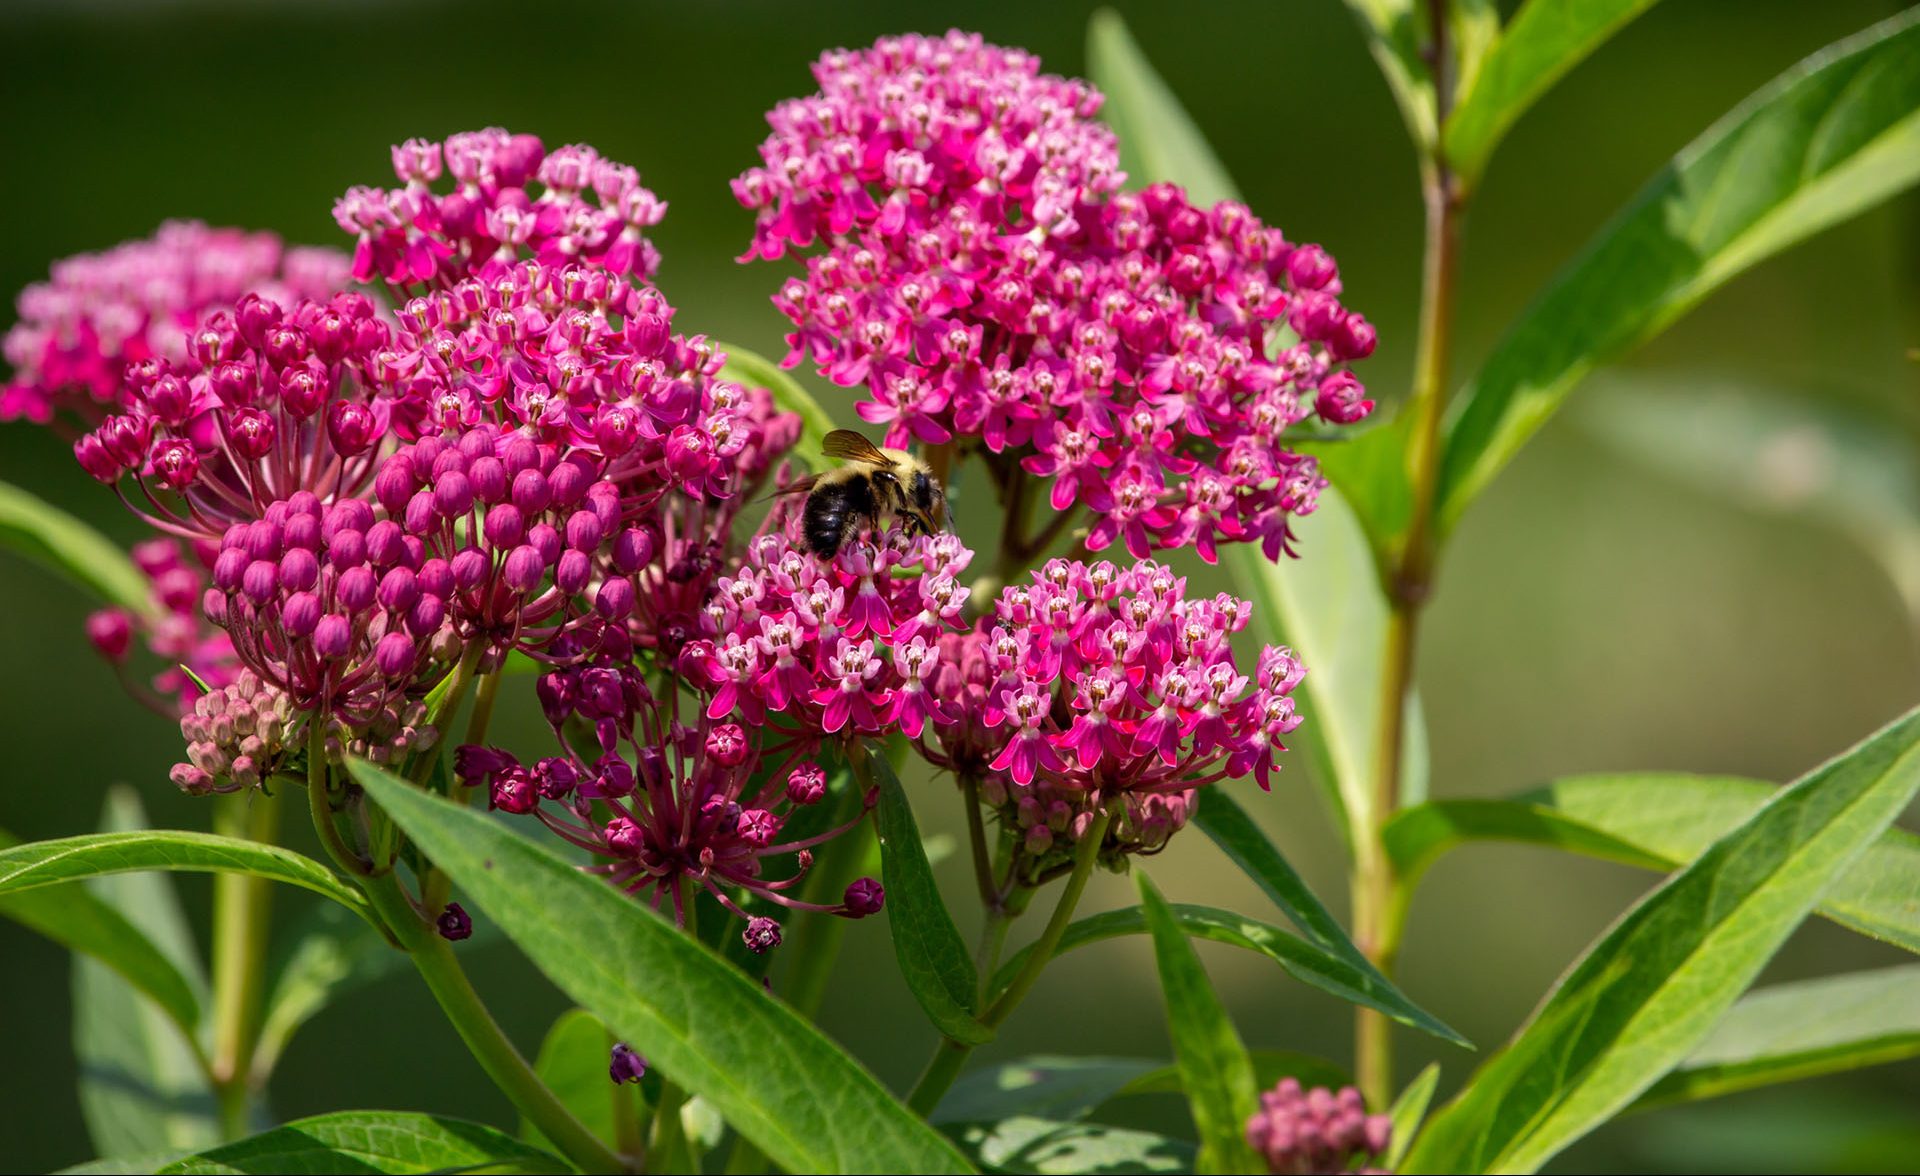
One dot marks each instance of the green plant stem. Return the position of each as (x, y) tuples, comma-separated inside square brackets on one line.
[(503, 1063), (977, 840), (241, 906), (951, 1055), (816, 946), (320, 805), (1408, 581), (668, 1147)]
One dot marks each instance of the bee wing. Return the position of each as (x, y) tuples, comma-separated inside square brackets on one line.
[(851, 446), (801, 486)]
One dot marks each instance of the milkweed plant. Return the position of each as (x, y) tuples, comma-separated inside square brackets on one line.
[(470, 449)]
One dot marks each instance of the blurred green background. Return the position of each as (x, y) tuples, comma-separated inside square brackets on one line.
[(1591, 615)]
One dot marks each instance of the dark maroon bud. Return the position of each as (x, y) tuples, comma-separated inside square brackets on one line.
[(762, 935), (624, 1065), (454, 923), (865, 896)]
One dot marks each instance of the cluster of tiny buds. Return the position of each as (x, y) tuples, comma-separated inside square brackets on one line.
[(236, 737), (1310, 1132)]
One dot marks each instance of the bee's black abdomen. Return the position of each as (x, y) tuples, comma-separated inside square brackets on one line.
[(834, 509)]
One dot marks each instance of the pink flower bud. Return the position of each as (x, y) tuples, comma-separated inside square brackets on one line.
[(111, 631), (524, 569), (393, 656)]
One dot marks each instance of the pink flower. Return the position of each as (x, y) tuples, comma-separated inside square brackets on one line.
[(1095, 685), (136, 303), (974, 266), (586, 209), (839, 648), (663, 803)]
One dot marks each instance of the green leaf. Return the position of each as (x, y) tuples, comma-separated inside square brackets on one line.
[(1397, 41), (1370, 471), (1546, 39), (1235, 833), (50, 863), (63, 543), (1649, 991), (1158, 138), (75, 918), (1043, 1086), (1028, 1144), (1409, 1111), (758, 371), (1330, 609), (373, 1141), (1794, 1031), (1302, 960), (573, 1063), (716, 1033), (1215, 1071), (1658, 821), (1829, 138), (1269, 1067), (332, 954), (143, 1081), (933, 958), (1766, 450)]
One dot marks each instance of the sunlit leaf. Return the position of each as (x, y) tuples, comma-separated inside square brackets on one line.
[(710, 1029), (1409, 1112), (1802, 1030), (1215, 1071), (1835, 135), (1397, 40), (1545, 40), (1657, 821), (1649, 992), (1028, 1144), (372, 1141)]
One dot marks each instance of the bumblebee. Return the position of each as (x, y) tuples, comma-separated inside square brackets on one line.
[(875, 487)]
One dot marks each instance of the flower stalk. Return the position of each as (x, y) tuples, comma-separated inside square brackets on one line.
[(241, 906), (1379, 907)]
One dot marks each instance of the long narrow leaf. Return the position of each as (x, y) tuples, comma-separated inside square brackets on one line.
[(775, 1078), (50, 863), (1302, 960), (1158, 138), (144, 1087), (933, 958), (372, 1141), (1235, 833), (1650, 990), (59, 541), (1215, 1071), (1794, 1031), (1659, 821), (1834, 136), (1546, 39)]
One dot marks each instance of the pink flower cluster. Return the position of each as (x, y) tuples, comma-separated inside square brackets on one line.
[(837, 648), (172, 629), (1100, 685), (919, 128), (572, 355), (265, 403), (340, 611), (99, 312), (1318, 1131), (705, 803), (587, 209), (237, 737), (981, 277)]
